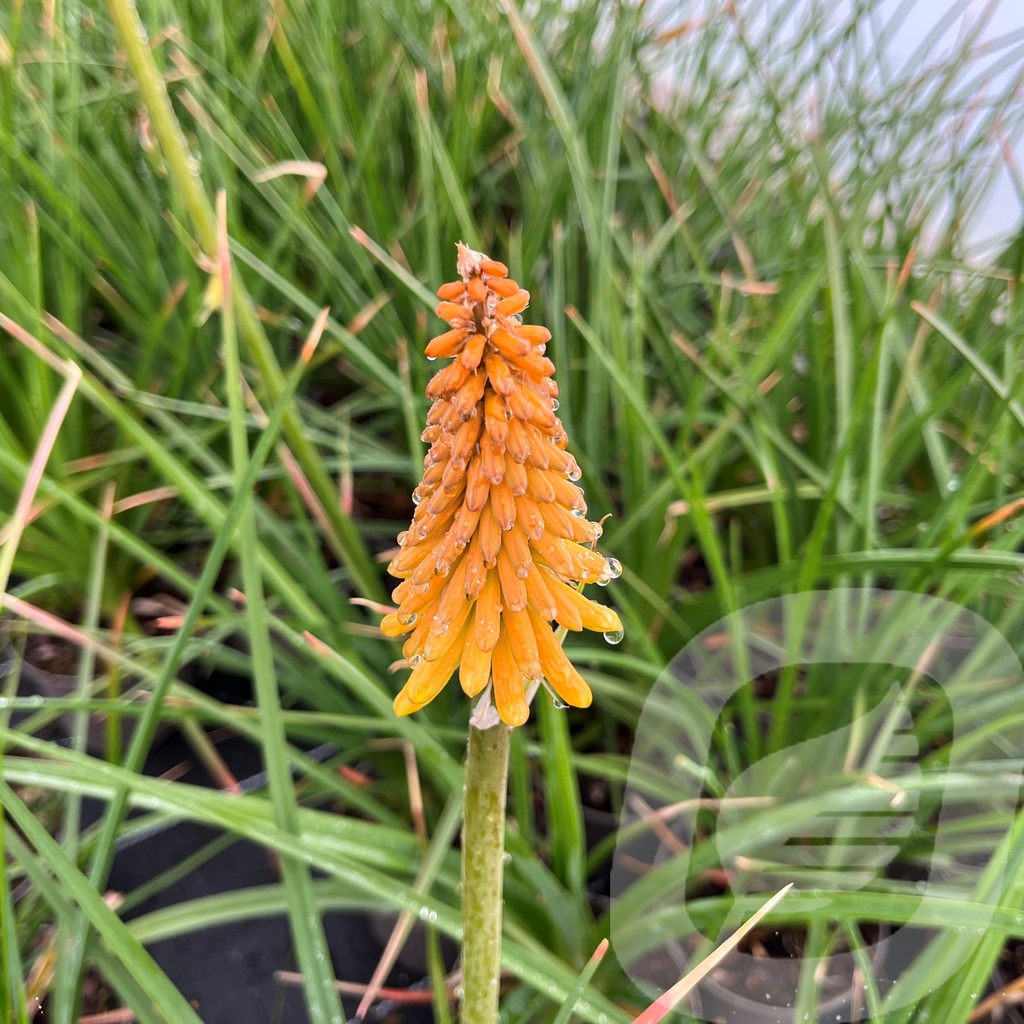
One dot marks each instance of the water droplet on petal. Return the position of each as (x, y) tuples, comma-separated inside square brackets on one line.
[(575, 472), (614, 636), (409, 619), (558, 703), (579, 512), (596, 530), (416, 497), (431, 359), (403, 538), (417, 659), (614, 567), (554, 405)]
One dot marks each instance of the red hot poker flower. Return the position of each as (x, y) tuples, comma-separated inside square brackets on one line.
[(499, 539)]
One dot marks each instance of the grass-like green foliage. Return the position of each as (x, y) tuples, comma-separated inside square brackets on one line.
[(780, 369)]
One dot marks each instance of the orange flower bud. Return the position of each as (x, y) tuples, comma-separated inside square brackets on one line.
[(492, 268)]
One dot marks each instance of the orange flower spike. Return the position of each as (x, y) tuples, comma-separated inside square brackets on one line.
[(499, 541)]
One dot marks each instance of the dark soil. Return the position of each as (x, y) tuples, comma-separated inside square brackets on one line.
[(229, 973)]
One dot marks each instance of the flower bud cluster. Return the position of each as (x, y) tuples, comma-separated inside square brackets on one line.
[(499, 539)]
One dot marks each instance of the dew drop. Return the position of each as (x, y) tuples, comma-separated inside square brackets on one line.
[(614, 636), (522, 571), (603, 581), (575, 472), (614, 567), (516, 318), (417, 659), (431, 359), (416, 497), (554, 405), (403, 538), (953, 485), (579, 512), (558, 703), (408, 619)]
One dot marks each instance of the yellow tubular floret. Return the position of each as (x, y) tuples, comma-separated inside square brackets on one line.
[(509, 695)]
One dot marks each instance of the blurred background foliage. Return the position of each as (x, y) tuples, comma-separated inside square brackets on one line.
[(781, 365)]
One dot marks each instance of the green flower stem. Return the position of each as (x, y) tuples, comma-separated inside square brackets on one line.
[(483, 848)]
